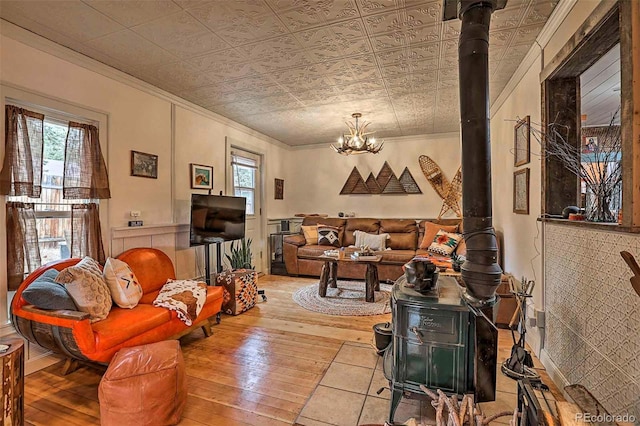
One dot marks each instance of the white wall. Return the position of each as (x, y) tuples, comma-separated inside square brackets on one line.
[(322, 173), (139, 118)]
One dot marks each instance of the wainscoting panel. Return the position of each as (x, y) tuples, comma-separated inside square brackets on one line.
[(593, 314)]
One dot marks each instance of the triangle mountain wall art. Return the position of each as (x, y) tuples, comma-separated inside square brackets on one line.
[(386, 182)]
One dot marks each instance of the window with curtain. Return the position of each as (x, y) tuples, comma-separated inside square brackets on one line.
[(244, 179), (62, 220)]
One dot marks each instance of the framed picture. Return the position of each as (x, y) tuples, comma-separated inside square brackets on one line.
[(522, 139), (279, 189), (144, 165), (521, 191), (201, 176)]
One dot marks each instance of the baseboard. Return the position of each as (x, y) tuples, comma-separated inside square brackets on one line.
[(553, 371)]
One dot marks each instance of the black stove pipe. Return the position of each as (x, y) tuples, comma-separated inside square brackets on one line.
[(481, 272)]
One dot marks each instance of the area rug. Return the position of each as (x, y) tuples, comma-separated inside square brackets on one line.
[(347, 300)]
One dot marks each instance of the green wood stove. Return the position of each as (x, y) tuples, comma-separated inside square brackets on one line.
[(439, 341)]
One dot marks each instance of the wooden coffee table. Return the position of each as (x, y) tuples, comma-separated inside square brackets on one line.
[(329, 275)]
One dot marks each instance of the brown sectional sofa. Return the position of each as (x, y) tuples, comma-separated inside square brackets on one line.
[(405, 237)]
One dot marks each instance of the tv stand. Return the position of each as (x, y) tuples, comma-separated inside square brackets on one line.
[(207, 263)]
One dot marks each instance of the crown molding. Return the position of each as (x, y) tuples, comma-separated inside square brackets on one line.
[(425, 136), (19, 34), (553, 23)]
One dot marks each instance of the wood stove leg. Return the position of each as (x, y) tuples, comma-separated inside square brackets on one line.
[(324, 278), (370, 283), (70, 365), (396, 395), (333, 274)]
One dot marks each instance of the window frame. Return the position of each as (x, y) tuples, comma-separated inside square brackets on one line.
[(66, 111), (254, 167)]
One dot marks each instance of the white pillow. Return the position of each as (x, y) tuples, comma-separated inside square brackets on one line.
[(375, 242), (123, 284)]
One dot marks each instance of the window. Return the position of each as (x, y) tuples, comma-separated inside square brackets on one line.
[(244, 179), (52, 211)]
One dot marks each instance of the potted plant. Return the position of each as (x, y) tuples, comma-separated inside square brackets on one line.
[(240, 257)]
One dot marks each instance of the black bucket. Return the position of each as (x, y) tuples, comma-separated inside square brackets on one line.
[(382, 334)]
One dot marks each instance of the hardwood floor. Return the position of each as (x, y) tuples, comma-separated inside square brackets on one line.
[(258, 368)]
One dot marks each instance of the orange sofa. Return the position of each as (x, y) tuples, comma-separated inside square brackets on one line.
[(71, 334)]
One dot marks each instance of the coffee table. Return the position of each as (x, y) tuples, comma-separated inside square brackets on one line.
[(329, 275)]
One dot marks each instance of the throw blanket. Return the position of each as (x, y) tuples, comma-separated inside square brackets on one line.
[(186, 297)]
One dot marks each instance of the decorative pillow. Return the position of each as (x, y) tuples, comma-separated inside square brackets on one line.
[(375, 242), (122, 282), (87, 288), (310, 234), (445, 242), (430, 231), (45, 293), (328, 236)]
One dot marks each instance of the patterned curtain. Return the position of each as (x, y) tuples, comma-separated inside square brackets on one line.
[(22, 242), (86, 237), (22, 169), (85, 172)]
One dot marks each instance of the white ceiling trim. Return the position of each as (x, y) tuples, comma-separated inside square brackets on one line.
[(9, 30), (553, 23)]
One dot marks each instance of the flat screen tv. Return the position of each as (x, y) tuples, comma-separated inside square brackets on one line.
[(216, 218)]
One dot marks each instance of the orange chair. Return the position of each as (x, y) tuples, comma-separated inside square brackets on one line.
[(71, 334)]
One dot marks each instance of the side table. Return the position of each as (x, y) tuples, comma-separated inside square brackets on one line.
[(12, 380)]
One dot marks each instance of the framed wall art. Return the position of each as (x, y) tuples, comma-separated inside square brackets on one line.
[(144, 165), (522, 142), (279, 189), (201, 176), (521, 191)]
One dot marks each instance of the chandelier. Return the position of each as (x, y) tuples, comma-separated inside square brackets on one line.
[(357, 142)]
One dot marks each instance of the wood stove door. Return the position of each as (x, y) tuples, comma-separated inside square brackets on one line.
[(432, 349)]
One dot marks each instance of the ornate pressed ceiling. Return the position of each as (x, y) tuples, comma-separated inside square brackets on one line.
[(292, 69)]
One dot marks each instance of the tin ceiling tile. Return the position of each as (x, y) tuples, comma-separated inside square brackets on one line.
[(71, 18), (131, 49), (280, 61), (134, 12)]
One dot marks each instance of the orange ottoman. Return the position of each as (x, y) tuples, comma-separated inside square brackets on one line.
[(144, 385)]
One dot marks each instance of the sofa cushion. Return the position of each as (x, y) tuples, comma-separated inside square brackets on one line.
[(124, 324), (310, 234), (430, 231), (373, 241), (336, 222), (152, 267), (403, 233), (87, 287), (399, 257), (311, 251), (328, 236), (445, 243), (45, 293), (370, 226), (123, 284)]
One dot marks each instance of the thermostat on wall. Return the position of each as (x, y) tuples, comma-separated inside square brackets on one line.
[(135, 223)]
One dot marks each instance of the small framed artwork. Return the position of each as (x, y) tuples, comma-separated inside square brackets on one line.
[(591, 144), (522, 140), (144, 165), (279, 189), (521, 191), (201, 176)]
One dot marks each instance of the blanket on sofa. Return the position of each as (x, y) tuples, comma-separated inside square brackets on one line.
[(186, 297)]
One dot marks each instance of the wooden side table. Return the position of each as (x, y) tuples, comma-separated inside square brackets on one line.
[(329, 275), (12, 381)]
